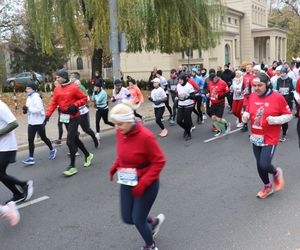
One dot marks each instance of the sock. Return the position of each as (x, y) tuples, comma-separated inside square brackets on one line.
[(268, 185), (217, 125)]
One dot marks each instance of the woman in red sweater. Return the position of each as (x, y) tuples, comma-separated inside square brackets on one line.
[(138, 165)]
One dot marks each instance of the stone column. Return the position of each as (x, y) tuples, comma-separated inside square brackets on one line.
[(272, 47)]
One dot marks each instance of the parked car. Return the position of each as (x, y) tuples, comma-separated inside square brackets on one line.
[(22, 79)]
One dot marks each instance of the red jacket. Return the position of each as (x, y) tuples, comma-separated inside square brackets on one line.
[(271, 72), (63, 96), (195, 85), (140, 148)]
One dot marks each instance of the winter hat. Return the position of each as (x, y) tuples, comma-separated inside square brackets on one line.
[(284, 70), (263, 78), (118, 82), (195, 70), (212, 76), (257, 67), (122, 113), (32, 85), (75, 75), (99, 83), (156, 80), (63, 73)]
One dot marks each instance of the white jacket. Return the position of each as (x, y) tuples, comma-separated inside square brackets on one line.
[(36, 111)]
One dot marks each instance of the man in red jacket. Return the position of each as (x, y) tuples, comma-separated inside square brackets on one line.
[(69, 97), (218, 90)]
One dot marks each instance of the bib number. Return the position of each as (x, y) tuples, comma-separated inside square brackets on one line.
[(284, 91), (257, 140), (127, 176), (64, 118)]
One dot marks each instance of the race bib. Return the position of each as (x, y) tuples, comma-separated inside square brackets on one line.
[(64, 118), (173, 87), (127, 176), (257, 140), (284, 91)]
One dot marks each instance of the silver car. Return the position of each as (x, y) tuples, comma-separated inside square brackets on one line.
[(22, 79)]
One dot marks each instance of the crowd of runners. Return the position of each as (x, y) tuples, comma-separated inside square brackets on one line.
[(263, 98)]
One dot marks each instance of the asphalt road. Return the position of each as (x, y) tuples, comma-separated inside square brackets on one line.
[(208, 194)]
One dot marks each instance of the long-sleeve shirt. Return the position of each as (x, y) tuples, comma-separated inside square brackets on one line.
[(136, 94), (123, 93), (36, 111), (101, 99), (139, 149)]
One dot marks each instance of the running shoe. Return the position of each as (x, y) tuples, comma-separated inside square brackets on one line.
[(28, 190), (244, 128), (265, 192), (88, 160), (204, 116), (158, 221), (16, 198), (29, 161), (96, 142), (213, 128), (172, 122), (278, 180), (98, 136), (52, 154), (193, 128), (219, 133), (227, 128), (152, 247), (283, 138), (70, 171), (188, 137), (58, 142), (239, 125), (12, 214), (163, 133)]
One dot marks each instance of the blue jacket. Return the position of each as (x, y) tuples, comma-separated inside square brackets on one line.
[(101, 99)]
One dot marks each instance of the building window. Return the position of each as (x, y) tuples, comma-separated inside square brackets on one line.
[(79, 63), (229, 20), (236, 49), (227, 54), (235, 21)]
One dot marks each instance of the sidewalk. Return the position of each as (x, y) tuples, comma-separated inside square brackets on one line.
[(146, 110)]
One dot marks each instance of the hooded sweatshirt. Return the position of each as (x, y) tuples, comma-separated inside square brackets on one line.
[(36, 111)]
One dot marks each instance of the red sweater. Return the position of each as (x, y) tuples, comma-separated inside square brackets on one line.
[(140, 148), (63, 96)]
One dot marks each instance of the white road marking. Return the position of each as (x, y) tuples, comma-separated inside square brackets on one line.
[(28, 203), (223, 135)]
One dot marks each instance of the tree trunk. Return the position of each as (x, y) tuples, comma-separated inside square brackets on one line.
[(97, 62)]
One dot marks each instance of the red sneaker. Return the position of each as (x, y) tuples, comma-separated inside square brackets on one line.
[(278, 180), (265, 192), (213, 128)]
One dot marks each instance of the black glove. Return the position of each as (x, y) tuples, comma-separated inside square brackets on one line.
[(150, 99), (72, 109), (25, 109), (191, 96), (46, 120)]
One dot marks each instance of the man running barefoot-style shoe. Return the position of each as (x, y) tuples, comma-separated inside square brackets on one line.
[(10, 213)]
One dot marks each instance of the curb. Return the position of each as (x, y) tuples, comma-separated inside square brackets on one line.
[(38, 144)]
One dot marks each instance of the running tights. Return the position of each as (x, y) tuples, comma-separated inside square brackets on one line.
[(158, 112), (32, 129), (135, 211), (264, 157)]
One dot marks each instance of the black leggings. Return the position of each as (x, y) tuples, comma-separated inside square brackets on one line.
[(32, 129), (168, 106), (73, 140), (135, 211), (175, 105), (10, 182), (184, 118), (264, 156), (158, 112), (102, 113), (85, 126), (198, 106), (285, 126)]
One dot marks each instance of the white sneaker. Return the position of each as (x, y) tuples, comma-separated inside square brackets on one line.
[(77, 154), (28, 190), (160, 219), (193, 128), (239, 125), (204, 117), (98, 136), (12, 214)]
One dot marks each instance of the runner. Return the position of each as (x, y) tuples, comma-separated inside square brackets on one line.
[(285, 86), (272, 71), (120, 92), (138, 165), (267, 111), (22, 190), (247, 89), (10, 213), (172, 88), (84, 109), (198, 95), (158, 97), (69, 98), (36, 115), (275, 77), (238, 97), (218, 90), (101, 104), (164, 85), (186, 95), (137, 97)]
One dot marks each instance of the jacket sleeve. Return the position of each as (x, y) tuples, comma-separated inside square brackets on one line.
[(37, 105), (53, 104), (80, 96), (157, 161), (140, 95)]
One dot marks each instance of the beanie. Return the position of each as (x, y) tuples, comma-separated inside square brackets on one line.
[(99, 83), (32, 85), (118, 82), (63, 73), (284, 70), (75, 75)]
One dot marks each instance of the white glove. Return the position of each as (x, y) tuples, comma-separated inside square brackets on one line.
[(245, 117)]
